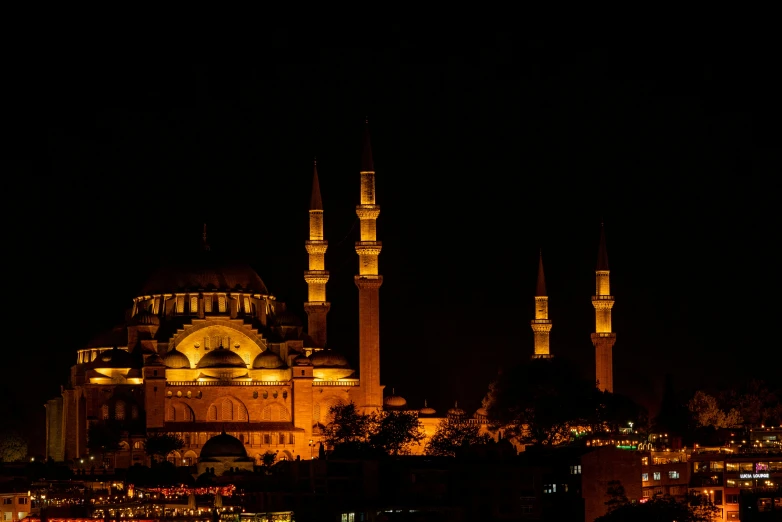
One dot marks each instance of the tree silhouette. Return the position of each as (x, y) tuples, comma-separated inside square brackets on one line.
[(387, 432), (450, 437), (161, 444)]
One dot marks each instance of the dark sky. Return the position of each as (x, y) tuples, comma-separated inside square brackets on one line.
[(487, 147)]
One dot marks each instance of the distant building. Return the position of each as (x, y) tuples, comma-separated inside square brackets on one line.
[(15, 505)]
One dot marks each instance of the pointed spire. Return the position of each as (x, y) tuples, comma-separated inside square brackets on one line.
[(367, 165), (316, 203), (540, 291), (425, 405), (204, 243), (602, 253)]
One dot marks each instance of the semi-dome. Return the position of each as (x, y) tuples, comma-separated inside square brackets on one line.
[(204, 270), (328, 359), (221, 358), (285, 318), (176, 360), (154, 360), (223, 445), (144, 318), (302, 360), (114, 358), (267, 360)]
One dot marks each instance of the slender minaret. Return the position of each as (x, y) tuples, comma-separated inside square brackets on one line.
[(541, 325), (603, 338), (316, 277), (368, 282)]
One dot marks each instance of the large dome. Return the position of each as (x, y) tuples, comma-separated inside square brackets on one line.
[(223, 445), (221, 358), (204, 270)]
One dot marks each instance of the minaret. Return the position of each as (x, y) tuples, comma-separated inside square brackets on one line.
[(541, 325), (316, 277), (368, 282), (603, 338)]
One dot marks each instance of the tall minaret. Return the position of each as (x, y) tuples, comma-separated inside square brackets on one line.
[(316, 277), (368, 282), (541, 325), (603, 338)]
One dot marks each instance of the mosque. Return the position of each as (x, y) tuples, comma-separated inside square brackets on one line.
[(210, 355)]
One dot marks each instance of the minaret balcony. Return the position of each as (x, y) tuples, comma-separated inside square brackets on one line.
[(602, 298), (316, 247), (540, 321), (316, 276), (365, 248)]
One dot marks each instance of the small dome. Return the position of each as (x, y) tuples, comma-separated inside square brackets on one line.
[(480, 413), (144, 317), (221, 358), (394, 402), (456, 411), (114, 358), (154, 360), (302, 360), (223, 445), (328, 359), (267, 360), (426, 410), (176, 360)]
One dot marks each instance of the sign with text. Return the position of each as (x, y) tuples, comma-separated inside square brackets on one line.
[(753, 475)]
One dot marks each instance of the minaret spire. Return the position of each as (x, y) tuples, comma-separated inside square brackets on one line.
[(316, 276), (204, 243), (541, 325), (603, 301), (368, 281)]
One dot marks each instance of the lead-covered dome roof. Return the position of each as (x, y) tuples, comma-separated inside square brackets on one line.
[(176, 360), (328, 359), (114, 358), (223, 445), (204, 271), (267, 360), (221, 358)]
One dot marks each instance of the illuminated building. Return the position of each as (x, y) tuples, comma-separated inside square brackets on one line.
[(208, 349), (603, 338)]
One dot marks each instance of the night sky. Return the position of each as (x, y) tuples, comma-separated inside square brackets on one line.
[(488, 148)]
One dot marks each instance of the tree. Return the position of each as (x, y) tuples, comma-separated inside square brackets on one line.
[(450, 437), (161, 444), (356, 433), (13, 446), (707, 412), (543, 400), (617, 495), (349, 426), (654, 510), (392, 431), (268, 458)]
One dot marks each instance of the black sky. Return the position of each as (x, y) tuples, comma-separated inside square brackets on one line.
[(487, 149)]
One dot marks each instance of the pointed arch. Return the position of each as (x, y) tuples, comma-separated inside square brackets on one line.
[(179, 411), (227, 408), (275, 412)]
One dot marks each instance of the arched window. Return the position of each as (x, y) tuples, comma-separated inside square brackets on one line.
[(104, 410), (212, 413), (119, 410), (134, 412), (228, 410), (170, 413)]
